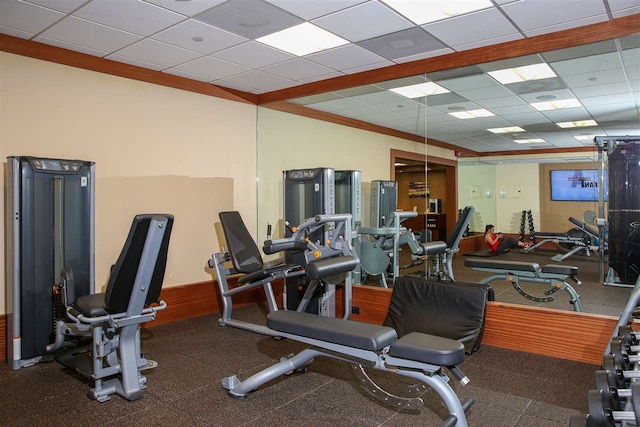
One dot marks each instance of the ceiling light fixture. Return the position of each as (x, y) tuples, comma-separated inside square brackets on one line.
[(512, 129), (473, 114), (585, 137), (529, 140), (523, 74), (419, 90), (556, 105), (577, 124), (422, 12), (303, 39)]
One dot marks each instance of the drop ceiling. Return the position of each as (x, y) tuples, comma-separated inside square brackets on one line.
[(214, 41)]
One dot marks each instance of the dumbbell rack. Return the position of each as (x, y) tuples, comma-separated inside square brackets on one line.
[(616, 400), (527, 219)]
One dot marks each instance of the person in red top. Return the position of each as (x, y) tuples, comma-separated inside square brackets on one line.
[(498, 243)]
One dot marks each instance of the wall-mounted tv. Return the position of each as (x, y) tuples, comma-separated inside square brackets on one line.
[(576, 185)]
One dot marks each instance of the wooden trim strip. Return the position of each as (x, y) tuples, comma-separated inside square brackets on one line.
[(59, 55), (607, 30), (557, 333)]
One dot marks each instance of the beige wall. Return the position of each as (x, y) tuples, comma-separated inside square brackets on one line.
[(156, 149), (477, 188), (287, 141)]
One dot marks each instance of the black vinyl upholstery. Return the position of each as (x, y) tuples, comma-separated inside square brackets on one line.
[(456, 233), (244, 252), (123, 273)]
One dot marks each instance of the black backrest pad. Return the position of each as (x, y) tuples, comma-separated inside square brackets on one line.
[(123, 273), (445, 309), (244, 252), (457, 229)]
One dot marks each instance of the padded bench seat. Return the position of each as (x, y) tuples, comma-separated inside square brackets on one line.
[(567, 270), (503, 265), (433, 248), (360, 335), (428, 349)]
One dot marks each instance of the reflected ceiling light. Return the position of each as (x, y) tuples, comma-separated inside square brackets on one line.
[(420, 90), (523, 74), (400, 164), (556, 105), (472, 114), (512, 129), (577, 124), (422, 12), (529, 140), (302, 39)]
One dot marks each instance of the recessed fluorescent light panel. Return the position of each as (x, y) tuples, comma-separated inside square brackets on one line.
[(303, 39), (577, 124), (523, 74), (472, 114), (556, 105), (528, 141), (420, 90), (422, 12), (512, 129)]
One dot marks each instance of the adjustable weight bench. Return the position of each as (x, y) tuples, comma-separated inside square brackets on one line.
[(112, 319), (554, 275), (580, 242)]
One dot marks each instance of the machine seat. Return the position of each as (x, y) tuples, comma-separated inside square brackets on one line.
[(349, 333), (502, 265), (566, 270), (91, 305), (428, 349)]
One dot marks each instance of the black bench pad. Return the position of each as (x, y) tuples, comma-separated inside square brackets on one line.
[(502, 265), (275, 271), (566, 270), (428, 349), (433, 248), (360, 335)]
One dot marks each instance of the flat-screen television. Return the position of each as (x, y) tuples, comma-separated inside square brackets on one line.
[(576, 185)]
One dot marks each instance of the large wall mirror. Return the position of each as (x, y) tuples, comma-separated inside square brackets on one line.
[(473, 123)]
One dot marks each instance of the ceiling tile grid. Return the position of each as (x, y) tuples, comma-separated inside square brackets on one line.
[(214, 41)]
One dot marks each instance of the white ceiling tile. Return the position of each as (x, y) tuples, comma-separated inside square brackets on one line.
[(605, 61), (276, 87), (229, 85), (525, 119), (457, 106), (559, 94), (373, 66), (631, 57), (621, 8), (512, 109), (485, 93), (381, 97), (595, 78), (181, 73), (379, 20), (344, 57), (468, 82), (606, 99), (533, 14), (65, 6), (603, 89), (253, 54), (567, 25), (319, 77), (425, 55), (487, 24), (212, 68), (15, 33), (70, 46), (487, 42), (256, 80), (297, 69), (212, 39), (505, 101), (134, 16), (313, 9), (567, 114), (612, 112), (187, 8), (26, 17), (362, 111), (135, 62), (89, 34), (157, 52)]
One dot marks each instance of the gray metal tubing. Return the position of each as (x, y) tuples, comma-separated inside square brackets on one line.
[(627, 313), (550, 280), (562, 257)]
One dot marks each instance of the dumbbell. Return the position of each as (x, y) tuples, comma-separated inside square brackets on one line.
[(603, 414), (620, 345), (628, 335), (617, 370), (617, 396), (581, 420)]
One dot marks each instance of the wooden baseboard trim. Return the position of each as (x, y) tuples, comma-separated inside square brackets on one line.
[(556, 333)]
